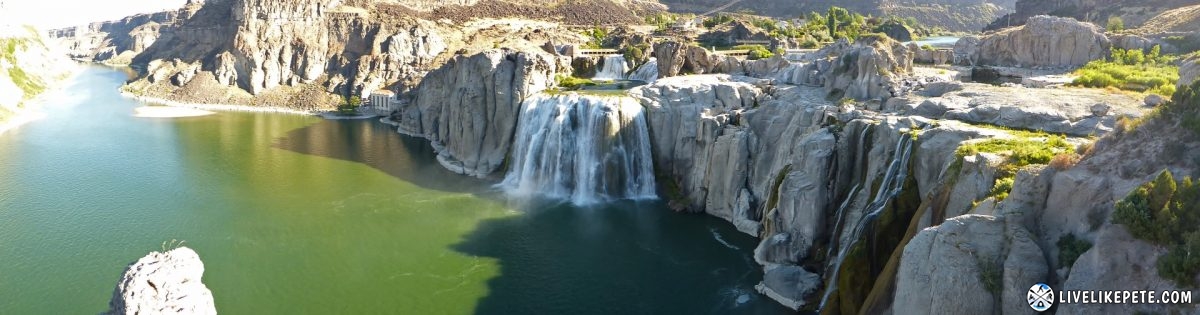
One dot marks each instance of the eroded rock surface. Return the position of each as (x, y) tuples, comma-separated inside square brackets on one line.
[(468, 108), (1044, 41), (163, 283)]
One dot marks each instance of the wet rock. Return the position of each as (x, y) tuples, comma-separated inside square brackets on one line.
[(163, 283)]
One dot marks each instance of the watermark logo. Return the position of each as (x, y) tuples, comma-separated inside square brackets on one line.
[(1040, 297)]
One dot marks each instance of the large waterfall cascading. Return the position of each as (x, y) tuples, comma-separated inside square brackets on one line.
[(614, 68), (893, 183), (584, 148), (646, 73)]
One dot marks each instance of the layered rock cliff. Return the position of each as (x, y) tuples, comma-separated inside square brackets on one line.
[(292, 53), (163, 283)]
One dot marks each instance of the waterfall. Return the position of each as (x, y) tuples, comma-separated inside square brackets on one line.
[(646, 73), (893, 182), (587, 149), (614, 68)]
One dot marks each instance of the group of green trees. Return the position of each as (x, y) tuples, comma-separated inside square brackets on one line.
[(1132, 70), (836, 23), (349, 105)]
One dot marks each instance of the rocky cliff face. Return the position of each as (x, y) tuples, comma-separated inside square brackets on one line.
[(1044, 41), (28, 67), (1133, 12), (292, 53), (468, 108), (163, 283), (117, 42)]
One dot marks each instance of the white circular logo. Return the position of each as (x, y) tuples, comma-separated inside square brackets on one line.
[(1040, 297)]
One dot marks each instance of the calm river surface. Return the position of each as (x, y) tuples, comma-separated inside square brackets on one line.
[(299, 215)]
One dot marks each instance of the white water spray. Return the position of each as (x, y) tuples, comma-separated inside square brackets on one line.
[(614, 68), (588, 149)]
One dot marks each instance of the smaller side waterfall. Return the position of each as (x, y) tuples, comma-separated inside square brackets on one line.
[(893, 182), (614, 68), (646, 73), (587, 149)]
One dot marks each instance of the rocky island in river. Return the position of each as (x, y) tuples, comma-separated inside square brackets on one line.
[(832, 157)]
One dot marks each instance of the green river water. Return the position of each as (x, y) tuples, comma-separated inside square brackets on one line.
[(298, 215)]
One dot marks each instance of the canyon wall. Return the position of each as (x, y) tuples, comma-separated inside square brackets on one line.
[(28, 68)]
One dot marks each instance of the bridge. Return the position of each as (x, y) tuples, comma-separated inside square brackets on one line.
[(734, 52), (752, 42)]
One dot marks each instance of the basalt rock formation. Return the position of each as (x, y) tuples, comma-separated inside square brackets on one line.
[(1044, 41), (163, 283), (468, 108)]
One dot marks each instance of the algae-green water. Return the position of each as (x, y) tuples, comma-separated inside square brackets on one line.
[(298, 215)]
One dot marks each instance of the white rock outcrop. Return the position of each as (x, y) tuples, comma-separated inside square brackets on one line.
[(163, 283), (1045, 41)]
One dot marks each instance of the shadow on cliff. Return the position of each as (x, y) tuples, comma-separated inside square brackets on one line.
[(620, 258), (379, 146)]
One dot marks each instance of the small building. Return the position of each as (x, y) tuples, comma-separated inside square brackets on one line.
[(383, 102)]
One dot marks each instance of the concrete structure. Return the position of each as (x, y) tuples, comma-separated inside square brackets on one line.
[(383, 102)]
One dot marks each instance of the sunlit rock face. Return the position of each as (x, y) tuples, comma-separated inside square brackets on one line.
[(163, 283)]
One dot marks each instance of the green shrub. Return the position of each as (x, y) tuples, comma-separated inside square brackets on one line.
[(759, 52), (571, 83), (1070, 248), (1001, 189), (1180, 264), (1115, 24), (1167, 213), (1027, 148), (1131, 70)]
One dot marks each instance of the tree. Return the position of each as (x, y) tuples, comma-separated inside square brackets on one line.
[(1115, 24)]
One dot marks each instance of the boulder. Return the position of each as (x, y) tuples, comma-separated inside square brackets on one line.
[(1100, 109), (937, 89), (1044, 41), (1155, 100), (163, 283), (896, 30), (868, 69)]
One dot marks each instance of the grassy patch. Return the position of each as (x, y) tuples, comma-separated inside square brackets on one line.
[(1070, 248), (1131, 70), (1024, 149), (571, 83)]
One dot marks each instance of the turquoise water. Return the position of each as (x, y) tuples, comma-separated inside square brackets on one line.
[(298, 215), (936, 41)]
